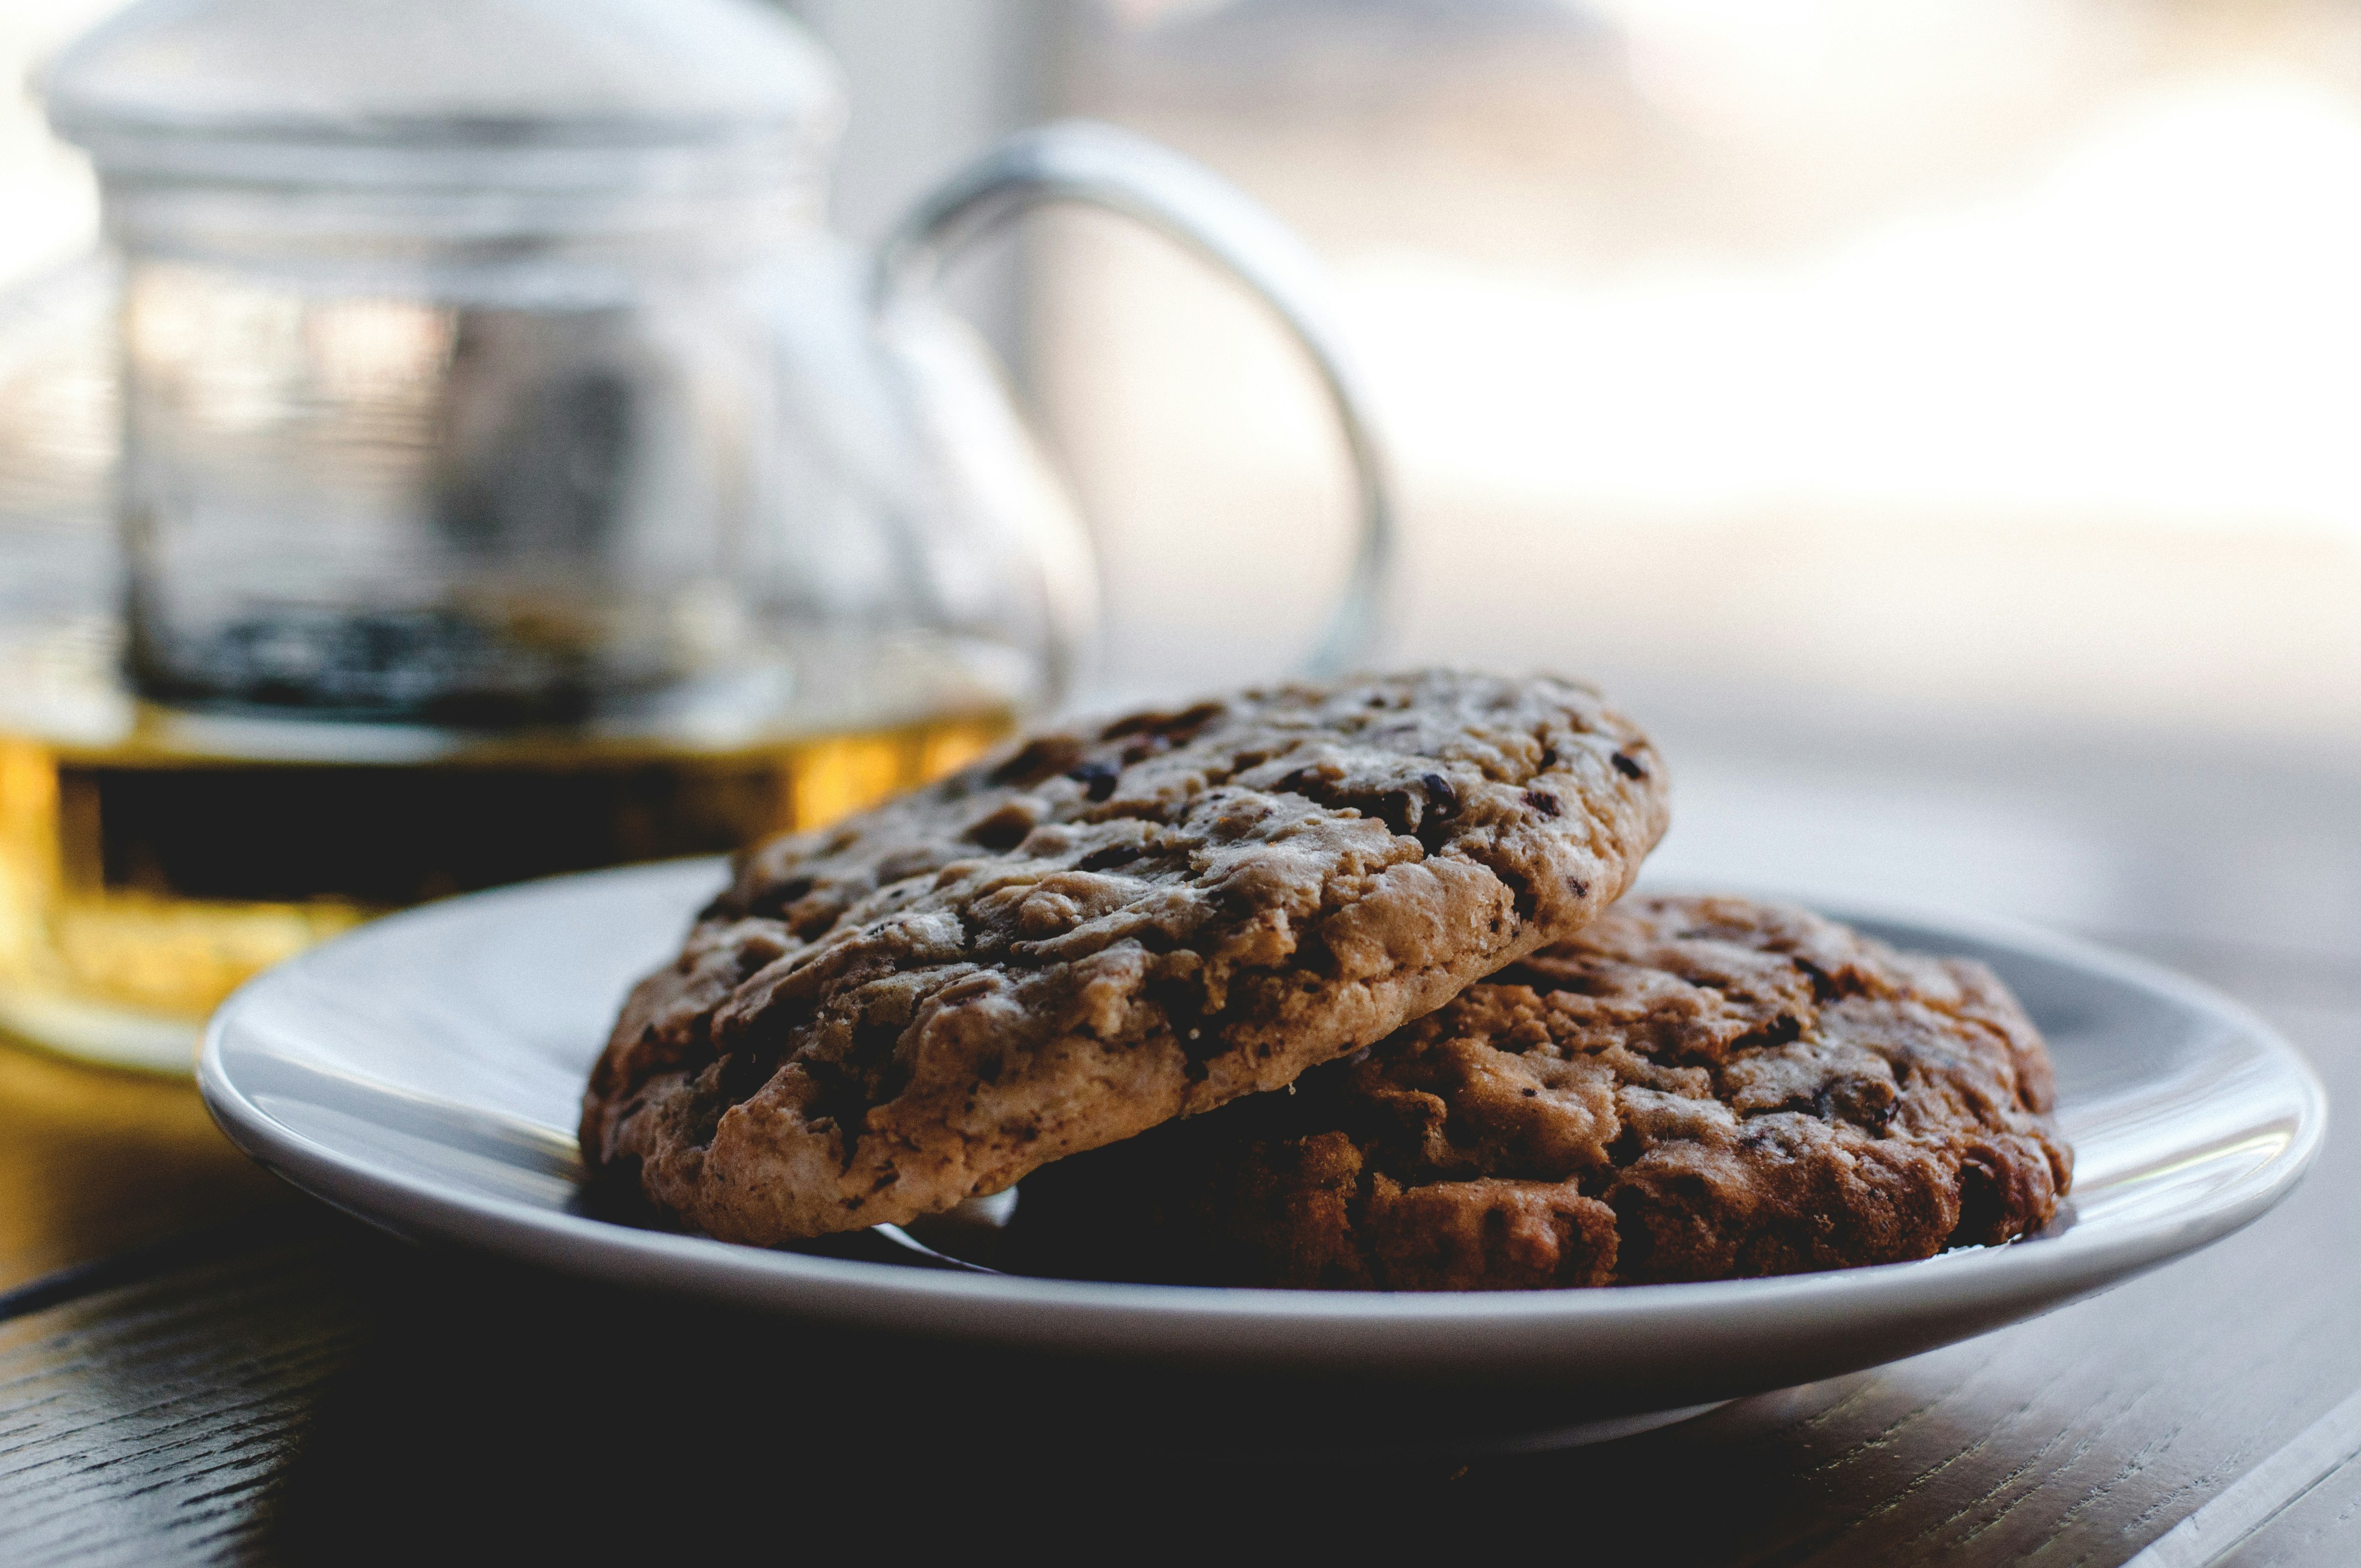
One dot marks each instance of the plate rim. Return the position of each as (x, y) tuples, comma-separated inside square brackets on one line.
[(1044, 1312)]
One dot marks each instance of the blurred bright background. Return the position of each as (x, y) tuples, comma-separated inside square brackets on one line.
[(1936, 360), (1934, 416)]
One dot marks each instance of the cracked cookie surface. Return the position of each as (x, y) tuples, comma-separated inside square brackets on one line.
[(1100, 930), (1690, 1089)]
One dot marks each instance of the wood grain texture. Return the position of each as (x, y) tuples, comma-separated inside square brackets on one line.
[(96, 1160), (153, 1424), (2291, 1501), (2320, 1527)]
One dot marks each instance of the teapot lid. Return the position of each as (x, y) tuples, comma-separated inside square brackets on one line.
[(546, 94)]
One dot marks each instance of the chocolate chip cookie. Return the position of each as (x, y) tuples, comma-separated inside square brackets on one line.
[(1101, 929), (1691, 1088)]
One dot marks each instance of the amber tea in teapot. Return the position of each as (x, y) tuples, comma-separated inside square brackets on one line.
[(144, 877)]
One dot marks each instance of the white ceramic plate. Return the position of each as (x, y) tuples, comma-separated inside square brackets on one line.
[(423, 1073)]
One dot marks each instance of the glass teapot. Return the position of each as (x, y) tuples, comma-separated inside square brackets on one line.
[(471, 458)]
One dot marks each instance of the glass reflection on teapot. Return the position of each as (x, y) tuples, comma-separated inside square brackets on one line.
[(509, 477)]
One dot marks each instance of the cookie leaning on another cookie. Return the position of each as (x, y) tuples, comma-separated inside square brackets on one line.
[(1692, 1088), (1101, 930)]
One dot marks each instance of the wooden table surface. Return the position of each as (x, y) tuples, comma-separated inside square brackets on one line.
[(196, 1365)]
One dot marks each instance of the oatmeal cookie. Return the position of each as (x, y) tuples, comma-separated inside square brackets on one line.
[(1691, 1088), (1101, 929)]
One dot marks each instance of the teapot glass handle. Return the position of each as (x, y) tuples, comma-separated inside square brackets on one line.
[(1100, 165)]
